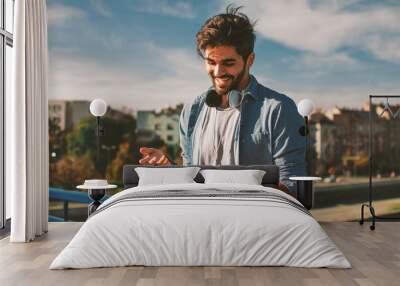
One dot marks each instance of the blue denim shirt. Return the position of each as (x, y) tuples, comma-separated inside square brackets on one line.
[(268, 132)]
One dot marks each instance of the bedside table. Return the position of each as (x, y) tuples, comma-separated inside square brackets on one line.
[(305, 190), (96, 191)]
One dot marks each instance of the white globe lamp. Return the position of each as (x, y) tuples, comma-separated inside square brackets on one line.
[(305, 107), (98, 107)]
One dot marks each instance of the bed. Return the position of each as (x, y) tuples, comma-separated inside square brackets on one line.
[(201, 224)]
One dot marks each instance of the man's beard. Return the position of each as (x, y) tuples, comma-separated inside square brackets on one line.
[(233, 86)]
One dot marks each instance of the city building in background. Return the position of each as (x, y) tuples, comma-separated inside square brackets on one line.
[(163, 123), (340, 138), (67, 114)]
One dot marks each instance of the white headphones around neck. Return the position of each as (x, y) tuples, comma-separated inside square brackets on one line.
[(213, 99)]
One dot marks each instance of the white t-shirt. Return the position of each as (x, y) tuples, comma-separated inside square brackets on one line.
[(214, 137)]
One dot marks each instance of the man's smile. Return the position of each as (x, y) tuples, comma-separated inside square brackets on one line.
[(222, 81)]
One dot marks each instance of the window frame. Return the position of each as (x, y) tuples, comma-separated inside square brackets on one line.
[(6, 39)]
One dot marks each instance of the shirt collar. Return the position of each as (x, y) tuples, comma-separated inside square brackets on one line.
[(252, 88)]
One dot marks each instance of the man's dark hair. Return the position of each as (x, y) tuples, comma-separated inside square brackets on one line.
[(230, 29)]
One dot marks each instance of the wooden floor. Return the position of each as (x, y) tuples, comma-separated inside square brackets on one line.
[(375, 256)]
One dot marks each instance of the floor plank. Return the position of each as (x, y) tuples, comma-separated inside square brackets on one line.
[(375, 257)]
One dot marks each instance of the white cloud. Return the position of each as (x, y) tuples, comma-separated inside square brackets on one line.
[(58, 14), (324, 28), (100, 7), (314, 65), (73, 77), (327, 96), (384, 48), (178, 9), (76, 78)]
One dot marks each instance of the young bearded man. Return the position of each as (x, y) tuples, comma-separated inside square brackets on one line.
[(237, 121)]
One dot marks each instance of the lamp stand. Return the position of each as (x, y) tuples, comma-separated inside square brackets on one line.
[(98, 139), (305, 188), (308, 153), (96, 195), (99, 133)]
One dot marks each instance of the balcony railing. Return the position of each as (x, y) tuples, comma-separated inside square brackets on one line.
[(326, 195), (67, 197)]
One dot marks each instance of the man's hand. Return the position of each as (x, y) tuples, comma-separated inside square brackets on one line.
[(285, 189), (152, 156)]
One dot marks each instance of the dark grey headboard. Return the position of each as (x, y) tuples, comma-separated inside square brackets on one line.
[(271, 178)]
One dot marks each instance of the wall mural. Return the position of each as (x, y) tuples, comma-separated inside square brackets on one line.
[(185, 87)]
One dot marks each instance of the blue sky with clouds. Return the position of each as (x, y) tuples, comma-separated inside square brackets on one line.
[(141, 53)]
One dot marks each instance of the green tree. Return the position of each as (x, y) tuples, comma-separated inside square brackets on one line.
[(57, 140), (118, 127), (71, 171)]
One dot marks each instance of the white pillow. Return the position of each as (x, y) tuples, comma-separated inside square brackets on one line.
[(249, 177), (163, 176)]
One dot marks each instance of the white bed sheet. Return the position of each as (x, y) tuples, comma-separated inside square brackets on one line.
[(200, 232)]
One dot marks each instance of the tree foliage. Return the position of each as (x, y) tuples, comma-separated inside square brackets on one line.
[(71, 171), (82, 140)]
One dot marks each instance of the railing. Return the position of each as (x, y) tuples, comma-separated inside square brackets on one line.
[(66, 197), (325, 196)]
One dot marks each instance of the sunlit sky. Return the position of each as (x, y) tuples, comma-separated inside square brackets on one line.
[(141, 53)]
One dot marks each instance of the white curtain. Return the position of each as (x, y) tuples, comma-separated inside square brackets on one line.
[(27, 123)]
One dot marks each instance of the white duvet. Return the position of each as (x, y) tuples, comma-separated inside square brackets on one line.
[(185, 231)]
